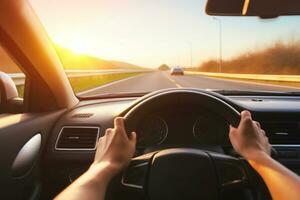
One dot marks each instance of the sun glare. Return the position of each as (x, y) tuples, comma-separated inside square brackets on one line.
[(76, 44), (78, 47)]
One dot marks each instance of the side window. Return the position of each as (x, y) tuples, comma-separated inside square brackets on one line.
[(12, 82), (10, 68)]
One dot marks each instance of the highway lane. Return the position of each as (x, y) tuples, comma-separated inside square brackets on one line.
[(160, 80)]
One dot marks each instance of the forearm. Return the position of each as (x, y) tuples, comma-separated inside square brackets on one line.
[(282, 183), (91, 185)]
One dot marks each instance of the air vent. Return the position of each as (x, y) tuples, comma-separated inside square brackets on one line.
[(82, 115), (283, 133), (77, 138)]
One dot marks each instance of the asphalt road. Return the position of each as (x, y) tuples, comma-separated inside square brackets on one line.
[(159, 80)]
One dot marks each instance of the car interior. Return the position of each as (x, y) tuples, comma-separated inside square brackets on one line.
[(48, 137)]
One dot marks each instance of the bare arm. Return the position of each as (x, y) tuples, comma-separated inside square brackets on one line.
[(114, 152), (250, 141)]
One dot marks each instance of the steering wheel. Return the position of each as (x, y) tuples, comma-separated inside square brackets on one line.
[(183, 173)]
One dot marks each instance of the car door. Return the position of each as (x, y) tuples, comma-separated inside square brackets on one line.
[(23, 131)]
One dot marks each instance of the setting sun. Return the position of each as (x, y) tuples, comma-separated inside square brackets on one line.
[(75, 44), (78, 47)]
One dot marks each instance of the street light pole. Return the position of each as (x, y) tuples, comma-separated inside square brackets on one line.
[(220, 45), (191, 53)]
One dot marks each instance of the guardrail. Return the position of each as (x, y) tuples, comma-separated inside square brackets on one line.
[(19, 78), (261, 77)]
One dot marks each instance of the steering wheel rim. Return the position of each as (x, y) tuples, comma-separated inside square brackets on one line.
[(150, 163), (210, 102)]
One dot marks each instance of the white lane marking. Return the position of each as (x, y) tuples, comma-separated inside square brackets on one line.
[(177, 85), (173, 81), (108, 84)]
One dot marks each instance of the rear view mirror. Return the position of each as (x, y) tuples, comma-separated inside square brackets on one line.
[(261, 8), (9, 100)]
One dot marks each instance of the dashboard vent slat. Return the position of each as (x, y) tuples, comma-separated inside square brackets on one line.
[(77, 138), (82, 115), (283, 133)]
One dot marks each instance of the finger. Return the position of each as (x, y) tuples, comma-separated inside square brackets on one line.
[(100, 142), (232, 132), (132, 138), (231, 129), (108, 131), (267, 140), (119, 123), (246, 113), (257, 124), (101, 138), (269, 149), (263, 132), (246, 119), (231, 135)]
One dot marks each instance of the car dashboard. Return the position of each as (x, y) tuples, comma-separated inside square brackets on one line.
[(170, 126)]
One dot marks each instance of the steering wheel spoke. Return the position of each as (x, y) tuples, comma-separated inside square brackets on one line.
[(184, 173), (231, 171), (136, 173)]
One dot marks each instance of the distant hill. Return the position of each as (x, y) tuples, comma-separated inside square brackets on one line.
[(119, 64), (70, 60), (164, 67)]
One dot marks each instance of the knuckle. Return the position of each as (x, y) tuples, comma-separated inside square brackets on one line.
[(230, 133), (248, 121), (245, 113), (257, 123), (267, 139), (108, 131), (118, 120), (99, 141)]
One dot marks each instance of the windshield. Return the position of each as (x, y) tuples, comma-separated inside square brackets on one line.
[(137, 46)]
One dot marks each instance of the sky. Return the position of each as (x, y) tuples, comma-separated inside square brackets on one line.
[(152, 32)]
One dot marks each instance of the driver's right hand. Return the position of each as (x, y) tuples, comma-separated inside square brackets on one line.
[(249, 139)]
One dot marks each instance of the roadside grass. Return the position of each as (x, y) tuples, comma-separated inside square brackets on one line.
[(275, 83), (80, 84), (20, 89), (280, 57)]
